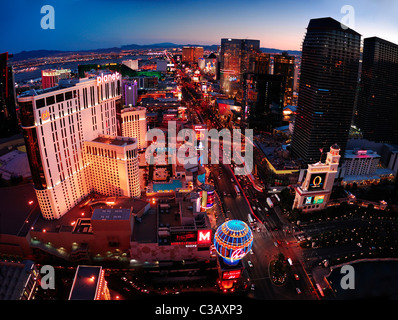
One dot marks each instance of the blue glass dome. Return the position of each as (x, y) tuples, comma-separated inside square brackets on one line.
[(233, 240)]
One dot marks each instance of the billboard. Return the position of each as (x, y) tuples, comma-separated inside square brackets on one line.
[(317, 181), (183, 237), (313, 200), (319, 199), (200, 237), (230, 275)]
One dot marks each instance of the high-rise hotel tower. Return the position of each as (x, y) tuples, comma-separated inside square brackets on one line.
[(377, 109), (328, 87), (56, 123)]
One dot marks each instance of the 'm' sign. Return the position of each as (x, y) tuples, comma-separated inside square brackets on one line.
[(108, 77), (204, 236)]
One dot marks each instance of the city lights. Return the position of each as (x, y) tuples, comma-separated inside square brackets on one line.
[(217, 168)]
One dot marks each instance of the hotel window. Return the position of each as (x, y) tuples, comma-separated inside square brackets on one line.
[(59, 97), (50, 100), (40, 103), (68, 95)]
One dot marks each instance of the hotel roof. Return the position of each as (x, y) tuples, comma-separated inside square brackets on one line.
[(361, 153), (85, 283), (111, 214), (62, 84), (84, 209), (115, 140)]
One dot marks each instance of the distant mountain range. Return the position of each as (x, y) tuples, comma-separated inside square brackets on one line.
[(33, 54)]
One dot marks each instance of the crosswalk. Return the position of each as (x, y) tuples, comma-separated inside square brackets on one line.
[(261, 235)]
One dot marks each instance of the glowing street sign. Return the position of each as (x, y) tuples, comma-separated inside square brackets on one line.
[(107, 77)]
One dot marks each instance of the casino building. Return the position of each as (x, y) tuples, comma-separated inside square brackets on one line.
[(314, 193), (56, 122), (134, 124), (113, 166)]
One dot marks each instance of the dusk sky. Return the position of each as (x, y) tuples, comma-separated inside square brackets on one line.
[(92, 24)]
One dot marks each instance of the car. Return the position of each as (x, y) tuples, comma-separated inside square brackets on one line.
[(258, 229), (251, 251), (254, 208), (298, 291), (296, 276), (224, 193), (253, 287), (275, 244), (250, 264)]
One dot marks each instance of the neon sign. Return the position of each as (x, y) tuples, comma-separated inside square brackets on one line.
[(317, 181), (237, 255), (233, 240), (107, 77), (45, 116), (233, 274), (204, 236)]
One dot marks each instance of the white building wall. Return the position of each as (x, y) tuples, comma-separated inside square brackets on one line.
[(134, 125), (62, 128), (113, 169)]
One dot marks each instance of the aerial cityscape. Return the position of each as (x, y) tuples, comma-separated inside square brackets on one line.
[(200, 152)]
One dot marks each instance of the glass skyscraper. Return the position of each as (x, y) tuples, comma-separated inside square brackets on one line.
[(235, 63), (284, 65), (328, 84), (377, 108)]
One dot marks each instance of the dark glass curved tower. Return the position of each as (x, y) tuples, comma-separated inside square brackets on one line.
[(328, 85)]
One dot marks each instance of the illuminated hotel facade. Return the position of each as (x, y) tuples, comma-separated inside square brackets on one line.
[(284, 65), (192, 54), (134, 124), (234, 63), (113, 166), (314, 193), (56, 122)]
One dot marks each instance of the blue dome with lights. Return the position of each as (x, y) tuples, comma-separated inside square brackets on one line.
[(233, 240)]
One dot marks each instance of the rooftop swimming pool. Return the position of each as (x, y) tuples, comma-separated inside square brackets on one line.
[(166, 186)]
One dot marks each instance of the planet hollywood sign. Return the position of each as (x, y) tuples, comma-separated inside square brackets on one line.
[(107, 77)]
